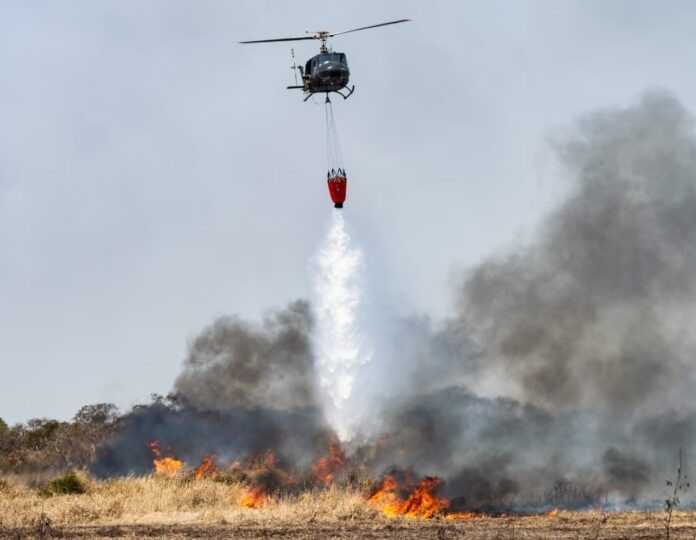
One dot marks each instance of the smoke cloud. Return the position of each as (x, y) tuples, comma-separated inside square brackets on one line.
[(245, 388), (583, 333), (595, 313), (233, 363)]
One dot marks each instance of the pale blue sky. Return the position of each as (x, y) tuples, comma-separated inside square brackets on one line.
[(154, 174)]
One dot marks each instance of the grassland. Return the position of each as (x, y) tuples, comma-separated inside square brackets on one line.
[(176, 508)]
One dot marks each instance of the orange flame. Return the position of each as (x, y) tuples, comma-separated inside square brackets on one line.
[(266, 463), (385, 497), (263, 474), (265, 460), (421, 502), (324, 469), (461, 515), (164, 466), (207, 468), (252, 498), (553, 513)]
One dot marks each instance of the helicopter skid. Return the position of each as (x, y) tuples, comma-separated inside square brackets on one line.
[(350, 92), (310, 94)]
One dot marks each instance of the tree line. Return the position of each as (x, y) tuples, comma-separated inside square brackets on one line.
[(44, 444)]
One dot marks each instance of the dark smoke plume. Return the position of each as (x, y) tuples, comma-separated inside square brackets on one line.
[(296, 436), (245, 389), (586, 331), (596, 312), (236, 364)]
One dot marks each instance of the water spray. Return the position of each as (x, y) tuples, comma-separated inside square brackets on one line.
[(339, 339)]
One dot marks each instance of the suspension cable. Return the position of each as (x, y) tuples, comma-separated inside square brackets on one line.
[(339, 155), (334, 156), (328, 135)]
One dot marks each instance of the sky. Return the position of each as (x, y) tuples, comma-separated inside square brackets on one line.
[(155, 174)]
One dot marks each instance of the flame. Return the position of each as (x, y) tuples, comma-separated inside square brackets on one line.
[(252, 498), (461, 515), (207, 468), (264, 460), (265, 464), (421, 502), (324, 469), (164, 466), (385, 497), (269, 460), (263, 475), (553, 513)]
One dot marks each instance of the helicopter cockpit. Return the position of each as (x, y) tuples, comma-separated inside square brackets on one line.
[(327, 72)]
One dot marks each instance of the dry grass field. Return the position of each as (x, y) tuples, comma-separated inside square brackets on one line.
[(175, 508)]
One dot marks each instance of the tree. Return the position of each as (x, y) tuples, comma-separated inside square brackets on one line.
[(97, 415), (94, 424), (4, 437)]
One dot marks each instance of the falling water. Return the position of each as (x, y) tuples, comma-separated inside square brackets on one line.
[(339, 340)]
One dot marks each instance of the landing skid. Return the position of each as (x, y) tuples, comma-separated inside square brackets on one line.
[(344, 96), (310, 94), (350, 92)]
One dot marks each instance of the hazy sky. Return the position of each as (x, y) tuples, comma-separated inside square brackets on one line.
[(154, 174)]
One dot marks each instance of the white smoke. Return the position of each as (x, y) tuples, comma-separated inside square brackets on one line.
[(339, 339)]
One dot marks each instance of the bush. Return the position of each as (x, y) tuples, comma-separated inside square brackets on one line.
[(69, 483)]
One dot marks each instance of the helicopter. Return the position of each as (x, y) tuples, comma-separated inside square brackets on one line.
[(327, 71)]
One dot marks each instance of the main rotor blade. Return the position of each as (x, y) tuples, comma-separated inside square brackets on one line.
[(366, 27), (280, 39)]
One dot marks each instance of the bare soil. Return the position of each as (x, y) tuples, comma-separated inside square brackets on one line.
[(566, 525)]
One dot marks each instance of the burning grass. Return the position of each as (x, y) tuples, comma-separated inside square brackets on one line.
[(182, 507), (164, 465), (258, 497)]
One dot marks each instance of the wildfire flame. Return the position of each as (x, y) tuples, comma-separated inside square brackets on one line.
[(461, 515), (385, 497), (207, 468), (324, 469), (264, 475), (252, 498), (420, 503), (164, 465)]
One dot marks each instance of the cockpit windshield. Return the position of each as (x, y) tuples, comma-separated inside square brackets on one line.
[(330, 58)]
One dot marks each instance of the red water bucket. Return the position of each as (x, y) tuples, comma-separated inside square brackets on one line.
[(337, 189)]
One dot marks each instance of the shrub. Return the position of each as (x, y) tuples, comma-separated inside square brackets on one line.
[(69, 483)]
